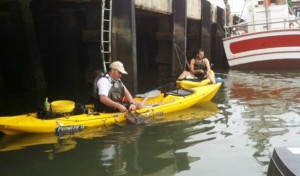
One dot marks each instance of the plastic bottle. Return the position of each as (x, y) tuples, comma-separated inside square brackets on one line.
[(47, 105)]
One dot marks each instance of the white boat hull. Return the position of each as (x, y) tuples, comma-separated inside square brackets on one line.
[(266, 49)]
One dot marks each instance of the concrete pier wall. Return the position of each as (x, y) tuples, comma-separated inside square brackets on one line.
[(160, 6), (165, 7)]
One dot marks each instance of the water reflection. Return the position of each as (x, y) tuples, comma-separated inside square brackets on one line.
[(17, 142), (278, 92), (121, 149), (267, 102), (156, 148), (57, 143), (252, 113), (111, 153), (200, 110)]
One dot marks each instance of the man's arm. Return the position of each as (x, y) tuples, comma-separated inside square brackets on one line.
[(108, 102), (128, 96), (133, 105), (192, 64), (207, 65)]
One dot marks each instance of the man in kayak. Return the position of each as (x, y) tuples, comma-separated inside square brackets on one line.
[(199, 68), (111, 94)]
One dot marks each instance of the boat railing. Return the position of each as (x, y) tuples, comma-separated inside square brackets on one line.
[(242, 28)]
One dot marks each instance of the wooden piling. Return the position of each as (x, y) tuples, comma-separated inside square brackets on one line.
[(124, 40), (179, 37), (206, 28)]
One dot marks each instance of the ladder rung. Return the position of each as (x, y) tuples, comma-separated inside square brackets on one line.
[(104, 45), (106, 49), (106, 20)]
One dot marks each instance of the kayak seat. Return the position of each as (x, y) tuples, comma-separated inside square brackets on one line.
[(180, 92), (192, 80)]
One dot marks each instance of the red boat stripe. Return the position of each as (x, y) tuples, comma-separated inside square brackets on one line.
[(265, 53), (265, 42)]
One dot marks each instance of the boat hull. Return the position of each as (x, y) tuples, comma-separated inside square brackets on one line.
[(284, 161), (157, 106), (264, 50)]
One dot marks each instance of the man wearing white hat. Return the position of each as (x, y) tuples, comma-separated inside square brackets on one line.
[(112, 94)]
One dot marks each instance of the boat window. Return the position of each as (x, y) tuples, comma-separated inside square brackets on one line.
[(298, 12)]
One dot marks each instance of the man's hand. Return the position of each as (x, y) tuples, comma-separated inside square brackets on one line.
[(121, 108), (132, 107), (201, 71)]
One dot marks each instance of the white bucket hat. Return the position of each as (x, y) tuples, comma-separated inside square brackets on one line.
[(118, 66)]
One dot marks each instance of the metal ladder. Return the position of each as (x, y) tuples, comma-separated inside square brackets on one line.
[(105, 46)]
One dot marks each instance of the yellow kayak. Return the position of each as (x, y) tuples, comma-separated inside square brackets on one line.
[(190, 83), (68, 142), (156, 106)]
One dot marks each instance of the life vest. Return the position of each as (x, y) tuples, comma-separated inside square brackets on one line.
[(200, 65), (116, 93)]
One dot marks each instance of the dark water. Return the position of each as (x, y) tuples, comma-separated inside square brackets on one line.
[(234, 134)]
